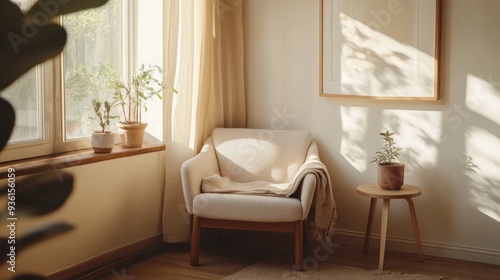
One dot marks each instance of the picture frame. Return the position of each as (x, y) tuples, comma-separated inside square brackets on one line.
[(380, 49)]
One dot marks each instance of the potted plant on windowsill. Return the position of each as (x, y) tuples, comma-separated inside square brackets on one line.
[(390, 173), (103, 140), (132, 97)]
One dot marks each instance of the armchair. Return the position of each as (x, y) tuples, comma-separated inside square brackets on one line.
[(253, 179)]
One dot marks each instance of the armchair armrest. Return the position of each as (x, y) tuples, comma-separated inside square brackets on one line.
[(308, 186), (307, 194), (195, 169)]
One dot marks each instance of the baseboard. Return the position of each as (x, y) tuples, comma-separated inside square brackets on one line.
[(468, 253), (104, 264)]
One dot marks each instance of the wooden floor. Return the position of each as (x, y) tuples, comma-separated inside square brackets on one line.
[(226, 252)]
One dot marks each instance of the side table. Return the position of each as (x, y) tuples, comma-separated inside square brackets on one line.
[(407, 192)]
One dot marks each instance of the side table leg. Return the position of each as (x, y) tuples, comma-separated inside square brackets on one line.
[(415, 228), (371, 214), (383, 232)]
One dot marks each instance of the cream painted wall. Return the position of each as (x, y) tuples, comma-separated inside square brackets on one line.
[(114, 203), (459, 211)]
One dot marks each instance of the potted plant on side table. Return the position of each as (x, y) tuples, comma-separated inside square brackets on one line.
[(103, 140), (132, 97), (390, 173)]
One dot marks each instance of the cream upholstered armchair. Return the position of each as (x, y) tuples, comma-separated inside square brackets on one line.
[(254, 179)]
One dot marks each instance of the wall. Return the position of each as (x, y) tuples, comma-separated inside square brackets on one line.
[(451, 146), (113, 204)]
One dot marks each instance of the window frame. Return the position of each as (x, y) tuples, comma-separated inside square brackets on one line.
[(51, 83), (42, 146)]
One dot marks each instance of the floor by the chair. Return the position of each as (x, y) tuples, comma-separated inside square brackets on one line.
[(226, 252)]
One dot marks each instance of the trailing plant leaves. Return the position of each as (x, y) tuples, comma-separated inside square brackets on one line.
[(42, 193), (28, 40), (52, 8), (19, 53), (8, 118), (43, 232), (34, 236), (10, 16)]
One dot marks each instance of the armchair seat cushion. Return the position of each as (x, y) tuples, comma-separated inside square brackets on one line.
[(250, 208)]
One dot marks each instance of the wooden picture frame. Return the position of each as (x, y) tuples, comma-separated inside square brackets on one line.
[(380, 49)]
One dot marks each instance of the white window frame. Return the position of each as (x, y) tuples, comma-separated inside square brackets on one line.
[(42, 146)]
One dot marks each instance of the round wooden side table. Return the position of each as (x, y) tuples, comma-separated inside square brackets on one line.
[(374, 192)]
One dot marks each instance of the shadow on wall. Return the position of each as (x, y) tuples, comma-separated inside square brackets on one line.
[(453, 154)]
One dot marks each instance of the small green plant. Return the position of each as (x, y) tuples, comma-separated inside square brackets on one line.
[(102, 110), (132, 96), (389, 153)]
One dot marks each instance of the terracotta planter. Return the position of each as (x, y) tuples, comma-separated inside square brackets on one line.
[(391, 176), (103, 142), (132, 135)]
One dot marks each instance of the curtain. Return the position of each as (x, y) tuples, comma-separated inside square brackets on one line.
[(204, 62)]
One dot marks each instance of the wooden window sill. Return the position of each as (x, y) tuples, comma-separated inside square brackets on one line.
[(70, 159)]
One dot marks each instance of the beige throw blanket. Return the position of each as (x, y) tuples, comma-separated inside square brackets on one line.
[(323, 214)]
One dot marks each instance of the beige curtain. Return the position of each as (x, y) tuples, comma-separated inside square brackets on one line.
[(204, 62)]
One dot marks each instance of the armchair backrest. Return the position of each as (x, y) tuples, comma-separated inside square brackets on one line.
[(246, 155)]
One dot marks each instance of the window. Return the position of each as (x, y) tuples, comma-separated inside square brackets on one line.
[(95, 40), (53, 100)]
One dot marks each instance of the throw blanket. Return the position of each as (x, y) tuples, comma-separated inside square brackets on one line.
[(322, 216)]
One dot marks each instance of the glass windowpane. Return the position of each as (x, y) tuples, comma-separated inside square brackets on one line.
[(95, 39), (25, 95)]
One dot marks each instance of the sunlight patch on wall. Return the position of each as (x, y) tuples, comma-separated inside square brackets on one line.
[(483, 145), (482, 148), (354, 126), (483, 97), (418, 133)]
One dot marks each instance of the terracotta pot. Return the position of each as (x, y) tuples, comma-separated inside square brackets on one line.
[(132, 135), (103, 142), (391, 176)]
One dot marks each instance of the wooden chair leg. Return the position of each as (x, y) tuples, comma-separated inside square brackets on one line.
[(195, 242), (299, 245)]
